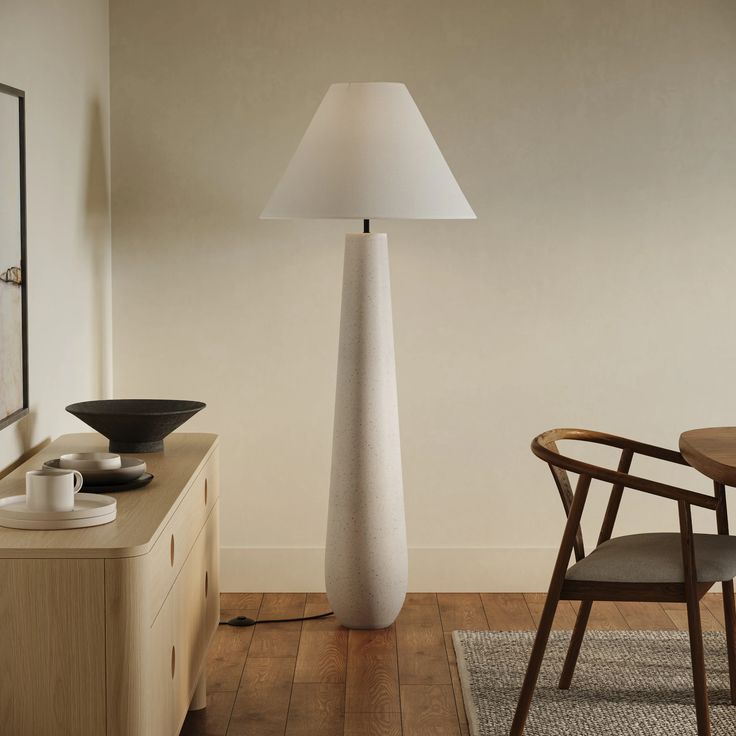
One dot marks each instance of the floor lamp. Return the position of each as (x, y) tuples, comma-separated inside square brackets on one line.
[(367, 154)]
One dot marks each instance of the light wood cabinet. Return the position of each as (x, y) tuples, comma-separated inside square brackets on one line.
[(104, 631)]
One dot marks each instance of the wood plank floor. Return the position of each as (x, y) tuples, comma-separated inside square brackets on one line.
[(318, 679)]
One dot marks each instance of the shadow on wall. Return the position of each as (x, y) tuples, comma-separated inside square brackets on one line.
[(24, 433), (97, 225)]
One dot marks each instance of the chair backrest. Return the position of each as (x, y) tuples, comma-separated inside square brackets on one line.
[(545, 447)]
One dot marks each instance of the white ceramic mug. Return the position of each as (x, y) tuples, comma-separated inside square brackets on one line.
[(50, 489)]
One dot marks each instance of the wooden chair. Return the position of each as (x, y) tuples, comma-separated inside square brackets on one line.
[(642, 567)]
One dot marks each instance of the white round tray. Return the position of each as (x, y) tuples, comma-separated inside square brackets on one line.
[(88, 507), (57, 523)]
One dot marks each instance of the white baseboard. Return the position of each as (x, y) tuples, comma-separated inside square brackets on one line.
[(442, 569)]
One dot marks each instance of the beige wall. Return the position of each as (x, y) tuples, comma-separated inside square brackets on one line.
[(58, 52), (595, 141)]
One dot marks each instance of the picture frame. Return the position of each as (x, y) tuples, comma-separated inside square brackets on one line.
[(14, 403)]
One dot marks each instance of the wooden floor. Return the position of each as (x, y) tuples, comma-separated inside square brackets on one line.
[(318, 679)]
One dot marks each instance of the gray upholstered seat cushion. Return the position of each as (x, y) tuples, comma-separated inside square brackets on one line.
[(656, 558)]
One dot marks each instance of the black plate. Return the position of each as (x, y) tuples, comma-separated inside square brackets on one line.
[(144, 480), (132, 469)]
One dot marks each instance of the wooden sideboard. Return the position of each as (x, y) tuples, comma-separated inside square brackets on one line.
[(104, 631)]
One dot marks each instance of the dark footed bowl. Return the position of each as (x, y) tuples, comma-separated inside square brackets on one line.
[(135, 425)]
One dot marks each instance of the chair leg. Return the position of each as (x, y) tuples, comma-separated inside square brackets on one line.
[(729, 610), (550, 605), (698, 662), (578, 632), (693, 621), (535, 664)]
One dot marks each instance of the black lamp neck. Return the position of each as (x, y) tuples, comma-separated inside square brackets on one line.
[(366, 226)]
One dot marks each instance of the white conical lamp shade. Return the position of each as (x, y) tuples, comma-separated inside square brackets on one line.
[(368, 154)]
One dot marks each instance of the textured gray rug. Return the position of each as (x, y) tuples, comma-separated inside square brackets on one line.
[(626, 682)]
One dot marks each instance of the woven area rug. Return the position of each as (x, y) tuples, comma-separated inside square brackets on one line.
[(626, 683)]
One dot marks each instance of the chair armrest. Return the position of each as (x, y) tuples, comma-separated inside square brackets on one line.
[(623, 479), (661, 453), (664, 490), (623, 443)]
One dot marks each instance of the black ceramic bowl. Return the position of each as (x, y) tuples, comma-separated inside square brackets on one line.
[(135, 425)]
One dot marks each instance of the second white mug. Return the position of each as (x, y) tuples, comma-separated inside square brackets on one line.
[(50, 489)]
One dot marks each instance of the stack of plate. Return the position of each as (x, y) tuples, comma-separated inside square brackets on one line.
[(130, 475), (90, 509)]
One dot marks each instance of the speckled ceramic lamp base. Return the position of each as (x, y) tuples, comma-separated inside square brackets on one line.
[(366, 565)]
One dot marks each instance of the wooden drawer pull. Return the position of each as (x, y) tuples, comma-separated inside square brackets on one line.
[(172, 550), (206, 583), (205, 491), (173, 661)]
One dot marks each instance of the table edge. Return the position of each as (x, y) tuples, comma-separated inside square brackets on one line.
[(709, 467)]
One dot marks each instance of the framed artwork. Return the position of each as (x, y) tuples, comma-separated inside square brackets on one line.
[(13, 270)]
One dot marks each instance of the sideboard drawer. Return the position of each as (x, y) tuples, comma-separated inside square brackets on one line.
[(182, 631), (175, 542), (188, 604), (192, 596), (161, 663)]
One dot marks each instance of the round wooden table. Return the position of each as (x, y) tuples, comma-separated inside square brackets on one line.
[(712, 451)]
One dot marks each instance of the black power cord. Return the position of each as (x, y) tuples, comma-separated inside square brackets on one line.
[(245, 621)]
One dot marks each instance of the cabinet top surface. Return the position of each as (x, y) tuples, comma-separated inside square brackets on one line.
[(141, 514)]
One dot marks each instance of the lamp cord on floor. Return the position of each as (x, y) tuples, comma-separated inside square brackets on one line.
[(245, 621)]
